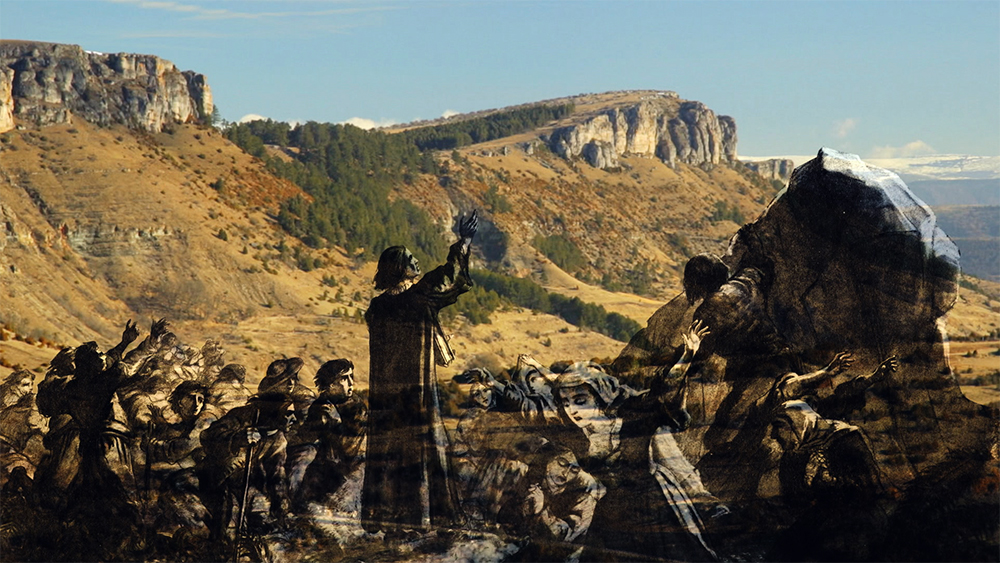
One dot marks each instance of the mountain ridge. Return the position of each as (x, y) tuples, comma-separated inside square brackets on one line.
[(105, 222)]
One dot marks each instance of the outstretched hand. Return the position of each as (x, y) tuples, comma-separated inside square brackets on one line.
[(130, 333), (694, 336), (839, 363), (890, 365), (468, 226), (158, 328), (474, 375)]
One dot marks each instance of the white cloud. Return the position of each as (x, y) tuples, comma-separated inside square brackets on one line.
[(449, 113), (843, 127), (915, 148), (251, 117), (202, 13), (364, 123), (184, 34)]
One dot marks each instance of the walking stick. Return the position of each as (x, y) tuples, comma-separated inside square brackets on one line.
[(246, 492), (147, 478)]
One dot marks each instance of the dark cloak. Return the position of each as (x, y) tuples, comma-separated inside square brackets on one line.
[(406, 475)]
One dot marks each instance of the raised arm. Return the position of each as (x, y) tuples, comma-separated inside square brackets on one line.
[(669, 388), (150, 344), (444, 284), (467, 229), (692, 341), (797, 386), (129, 335)]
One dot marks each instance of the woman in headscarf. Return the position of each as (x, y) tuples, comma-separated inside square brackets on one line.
[(648, 510)]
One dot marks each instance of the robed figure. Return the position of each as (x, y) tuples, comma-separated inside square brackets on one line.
[(407, 484)]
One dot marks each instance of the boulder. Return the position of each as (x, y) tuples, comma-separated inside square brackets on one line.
[(854, 262)]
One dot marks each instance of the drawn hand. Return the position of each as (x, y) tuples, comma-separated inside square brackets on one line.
[(156, 415), (890, 365), (535, 501), (840, 363), (158, 328), (559, 528), (472, 375), (253, 436), (468, 226), (694, 336), (131, 332)]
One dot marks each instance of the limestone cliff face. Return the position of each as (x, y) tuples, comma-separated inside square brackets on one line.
[(49, 82), (661, 126), (6, 99), (773, 169)]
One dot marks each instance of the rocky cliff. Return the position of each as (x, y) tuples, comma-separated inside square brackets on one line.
[(659, 125), (45, 83), (772, 169)]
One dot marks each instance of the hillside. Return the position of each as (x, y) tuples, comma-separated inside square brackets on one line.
[(976, 231), (109, 222)]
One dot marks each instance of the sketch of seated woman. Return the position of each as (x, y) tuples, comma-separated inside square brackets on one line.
[(649, 508), (485, 453), (553, 505)]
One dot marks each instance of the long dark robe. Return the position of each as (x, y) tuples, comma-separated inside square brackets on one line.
[(406, 474)]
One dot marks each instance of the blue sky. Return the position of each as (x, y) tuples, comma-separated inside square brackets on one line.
[(879, 79)]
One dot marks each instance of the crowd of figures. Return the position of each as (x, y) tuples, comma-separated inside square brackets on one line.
[(160, 452), (163, 452)]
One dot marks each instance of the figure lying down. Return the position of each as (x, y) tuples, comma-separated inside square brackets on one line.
[(632, 488)]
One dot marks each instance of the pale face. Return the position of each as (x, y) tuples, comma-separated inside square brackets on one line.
[(580, 405), (561, 470), (191, 405), (342, 386), (25, 386), (345, 386), (481, 395), (413, 268), (22, 387), (537, 383)]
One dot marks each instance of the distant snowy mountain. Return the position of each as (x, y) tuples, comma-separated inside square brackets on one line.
[(935, 167), (942, 167), (964, 192)]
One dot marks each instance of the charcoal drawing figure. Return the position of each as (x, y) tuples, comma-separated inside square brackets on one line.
[(795, 402), (406, 478)]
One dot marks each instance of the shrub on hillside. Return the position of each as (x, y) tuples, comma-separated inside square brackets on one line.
[(561, 251)]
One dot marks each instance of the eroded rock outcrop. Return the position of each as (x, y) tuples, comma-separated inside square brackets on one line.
[(772, 169), (663, 126), (6, 99), (851, 261), (51, 82)]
